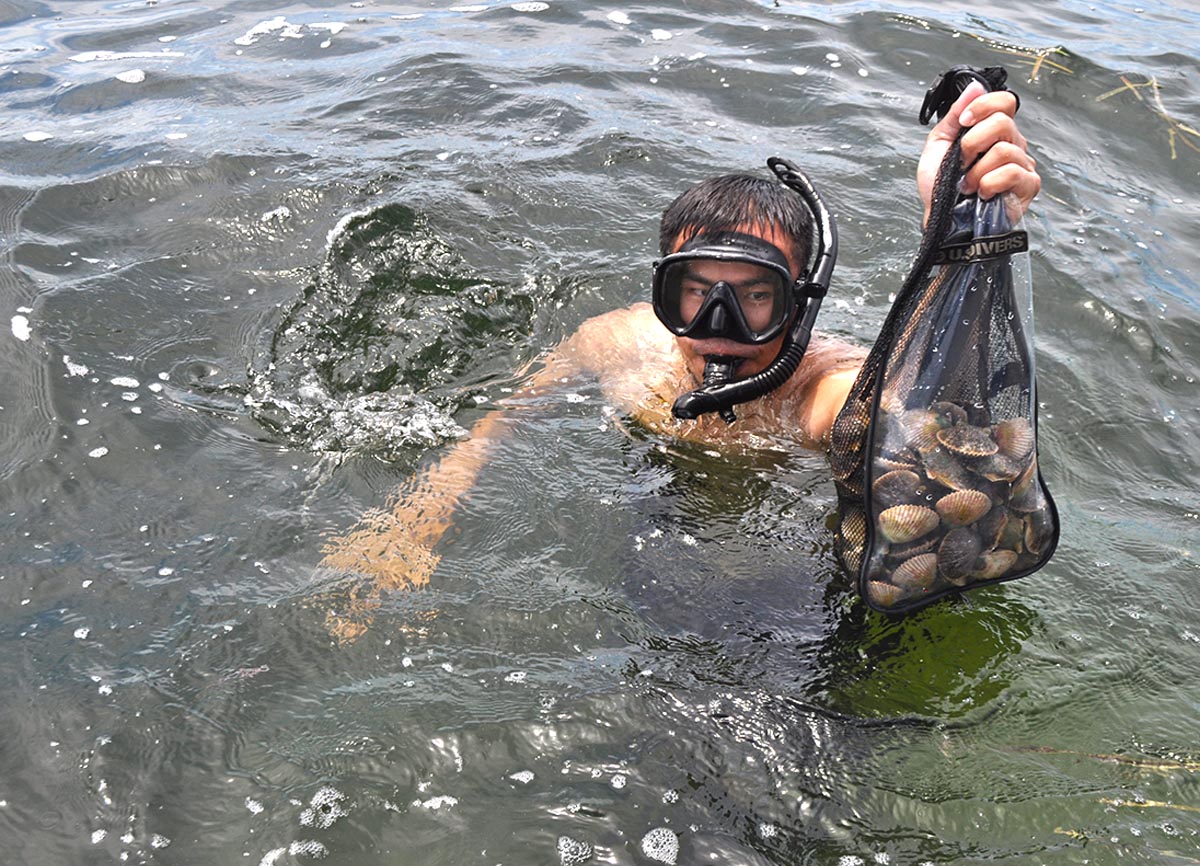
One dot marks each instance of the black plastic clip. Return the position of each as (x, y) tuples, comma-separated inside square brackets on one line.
[(951, 83)]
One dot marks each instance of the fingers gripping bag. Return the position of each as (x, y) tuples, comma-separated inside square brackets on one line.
[(935, 451)]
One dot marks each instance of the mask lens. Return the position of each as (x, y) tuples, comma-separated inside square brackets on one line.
[(758, 292)]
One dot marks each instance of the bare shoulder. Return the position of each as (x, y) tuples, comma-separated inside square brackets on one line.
[(823, 382), (621, 337)]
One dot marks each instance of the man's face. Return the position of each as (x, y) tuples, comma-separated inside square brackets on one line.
[(755, 358)]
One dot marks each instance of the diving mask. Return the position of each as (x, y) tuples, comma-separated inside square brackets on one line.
[(725, 285)]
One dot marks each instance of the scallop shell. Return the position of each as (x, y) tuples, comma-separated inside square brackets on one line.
[(895, 488), (994, 564), (968, 441), (1012, 537), (916, 573), (891, 402), (1022, 482), (900, 552), (1028, 500), (944, 468), (897, 458), (963, 507), (1014, 437), (998, 467), (1037, 531), (901, 524), (957, 554), (920, 429), (884, 594), (952, 412), (991, 527)]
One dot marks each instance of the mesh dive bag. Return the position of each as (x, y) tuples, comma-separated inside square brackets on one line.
[(935, 452)]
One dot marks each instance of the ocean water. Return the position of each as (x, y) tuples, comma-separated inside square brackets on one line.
[(262, 262)]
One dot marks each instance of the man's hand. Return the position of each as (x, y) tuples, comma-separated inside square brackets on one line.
[(993, 148)]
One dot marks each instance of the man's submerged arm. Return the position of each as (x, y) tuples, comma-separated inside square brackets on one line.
[(394, 548)]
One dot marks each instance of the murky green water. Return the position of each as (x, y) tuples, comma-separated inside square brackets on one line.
[(264, 261)]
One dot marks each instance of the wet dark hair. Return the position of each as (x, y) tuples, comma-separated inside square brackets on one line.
[(724, 203)]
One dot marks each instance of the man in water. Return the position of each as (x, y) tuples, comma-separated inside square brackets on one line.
[(643, 367)]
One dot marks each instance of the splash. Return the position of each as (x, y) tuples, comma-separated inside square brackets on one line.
[(389, 340)]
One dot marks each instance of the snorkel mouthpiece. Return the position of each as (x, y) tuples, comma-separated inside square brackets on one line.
[(718, 393), (718, 371)]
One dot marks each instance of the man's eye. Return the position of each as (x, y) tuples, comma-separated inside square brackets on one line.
[(758, 296)]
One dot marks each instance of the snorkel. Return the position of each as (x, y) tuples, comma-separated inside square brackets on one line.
[(718, 392)]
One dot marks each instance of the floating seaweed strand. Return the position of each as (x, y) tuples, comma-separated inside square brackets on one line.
[(1176, 129)]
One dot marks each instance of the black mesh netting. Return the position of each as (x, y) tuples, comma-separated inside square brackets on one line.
[(935, 451)]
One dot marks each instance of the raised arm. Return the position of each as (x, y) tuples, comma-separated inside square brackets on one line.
[(993, 148), (999, 161)]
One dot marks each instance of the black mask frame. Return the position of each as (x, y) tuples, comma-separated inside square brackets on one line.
[(720, 314)]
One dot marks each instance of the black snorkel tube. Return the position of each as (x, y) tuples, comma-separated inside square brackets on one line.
[(718, 393)]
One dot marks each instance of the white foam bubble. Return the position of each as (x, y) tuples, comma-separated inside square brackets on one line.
[(516, 677), (74, 369), (619, 781), (661, 35), (159, 841), (530, 7), (308, 848), (661, 844), (98, 452), (98, 836), (522, 776), (131, 76), (262, 28), (82, 633), (324, 809), (572, 851), (94, 56), (619, 18), (436, 803), (20, 327), (125, 382), (255, 807), (280, 213)]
